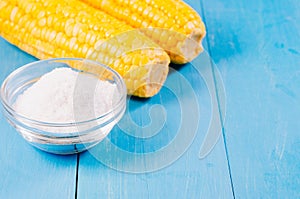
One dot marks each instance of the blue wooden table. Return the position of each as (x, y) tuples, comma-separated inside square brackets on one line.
[(222, 128)]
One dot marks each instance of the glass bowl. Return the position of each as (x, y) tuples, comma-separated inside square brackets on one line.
[(60, 138)]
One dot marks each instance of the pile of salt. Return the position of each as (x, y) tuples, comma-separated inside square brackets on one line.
[(65, 96)]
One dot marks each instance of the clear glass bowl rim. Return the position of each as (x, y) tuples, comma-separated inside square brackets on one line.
[(11, 111)]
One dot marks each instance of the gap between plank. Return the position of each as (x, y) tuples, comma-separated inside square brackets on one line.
[(218, 101), (77, 168)]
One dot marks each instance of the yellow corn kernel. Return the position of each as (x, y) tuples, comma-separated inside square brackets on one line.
[(70, 28), (172, 18)]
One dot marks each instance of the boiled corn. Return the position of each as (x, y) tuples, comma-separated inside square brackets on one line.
[(172, 24), (69, 28)]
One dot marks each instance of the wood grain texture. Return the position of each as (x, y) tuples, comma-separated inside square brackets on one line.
[(26, 172), (188, 177), (256, 47)]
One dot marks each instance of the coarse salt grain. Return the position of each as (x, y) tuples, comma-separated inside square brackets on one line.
[(66, 96)]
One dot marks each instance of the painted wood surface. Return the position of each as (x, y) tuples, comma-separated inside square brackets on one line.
[(187, 177), (26, 172), (256, 46)]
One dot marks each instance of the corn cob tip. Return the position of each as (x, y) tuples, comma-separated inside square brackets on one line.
[(157, 75), (190, 48)]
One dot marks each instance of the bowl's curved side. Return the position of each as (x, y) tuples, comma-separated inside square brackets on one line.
[(34, 132)]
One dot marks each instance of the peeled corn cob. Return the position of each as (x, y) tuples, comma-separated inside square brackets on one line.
[(69, 28), (174, 25)]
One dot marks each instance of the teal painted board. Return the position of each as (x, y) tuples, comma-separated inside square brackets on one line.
[(26, 172), (124, 165), (256, 46)]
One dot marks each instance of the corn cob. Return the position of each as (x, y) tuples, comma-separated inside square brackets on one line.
[(174, 25), (69, 28)]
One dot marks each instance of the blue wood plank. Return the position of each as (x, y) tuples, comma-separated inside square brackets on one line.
[(26, 172), (186, 177), (256, 47)]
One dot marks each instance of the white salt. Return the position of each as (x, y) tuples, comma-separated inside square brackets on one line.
[(64, 95)]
